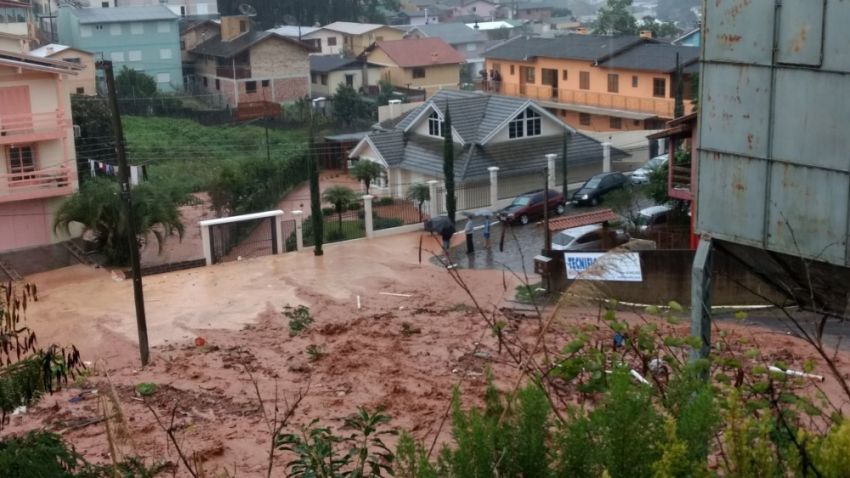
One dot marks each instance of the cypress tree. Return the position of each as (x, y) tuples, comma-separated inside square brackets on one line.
[(315, 197), (449, 166)]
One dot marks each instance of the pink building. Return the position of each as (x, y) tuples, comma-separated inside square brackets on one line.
[(37, 160)]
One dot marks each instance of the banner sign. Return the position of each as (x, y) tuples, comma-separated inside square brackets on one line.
[(612, 266)]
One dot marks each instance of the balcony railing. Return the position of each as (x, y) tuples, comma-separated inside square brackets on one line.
[(662, 107), (17, 128), (237, 73), (40, 183), (679, 185)]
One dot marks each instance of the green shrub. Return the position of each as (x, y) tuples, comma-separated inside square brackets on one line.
[(328, 211), (385, 201), (299, 318)]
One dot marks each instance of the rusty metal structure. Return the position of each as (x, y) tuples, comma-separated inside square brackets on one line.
[(774, 148)]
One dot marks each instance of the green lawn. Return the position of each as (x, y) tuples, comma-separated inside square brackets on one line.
[(188, 155)]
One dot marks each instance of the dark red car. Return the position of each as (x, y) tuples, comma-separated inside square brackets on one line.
[(530, 206)]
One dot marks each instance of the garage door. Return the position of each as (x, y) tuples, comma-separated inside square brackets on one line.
[(23, 224)]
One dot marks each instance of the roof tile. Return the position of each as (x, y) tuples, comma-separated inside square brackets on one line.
[(411, 53)]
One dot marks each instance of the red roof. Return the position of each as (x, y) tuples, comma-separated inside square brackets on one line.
[(412, 52), (585, 219)]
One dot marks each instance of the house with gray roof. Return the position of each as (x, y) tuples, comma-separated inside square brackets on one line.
[(327, 72), (247, 66), (467, 41), (145, 39), (511, 134)]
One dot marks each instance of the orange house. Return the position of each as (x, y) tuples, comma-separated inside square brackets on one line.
[(37, 160), (596, 83)]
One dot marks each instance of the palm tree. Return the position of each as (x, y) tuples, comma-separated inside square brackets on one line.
[(341, 197), (97, 206), (419, 192), (366, 171)]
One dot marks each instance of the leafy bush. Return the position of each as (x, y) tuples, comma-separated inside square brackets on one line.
[(328, 211), (385, 201), (299, 318), (386, 222)]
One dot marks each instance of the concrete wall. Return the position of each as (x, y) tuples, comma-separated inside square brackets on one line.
[(278, 58), (667, 276)]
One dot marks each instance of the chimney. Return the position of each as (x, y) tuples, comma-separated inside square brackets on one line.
[(395, 108), (646, 34), (233, 26)]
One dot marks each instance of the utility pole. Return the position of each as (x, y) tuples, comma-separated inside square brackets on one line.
[(126, 200), (547, 236)]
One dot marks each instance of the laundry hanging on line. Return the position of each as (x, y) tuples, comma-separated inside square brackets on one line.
[(137, 173)]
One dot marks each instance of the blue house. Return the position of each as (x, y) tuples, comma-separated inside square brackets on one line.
[(691, 38), (142, 38)]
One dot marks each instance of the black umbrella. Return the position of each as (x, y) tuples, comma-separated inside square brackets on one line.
[(438, 224)]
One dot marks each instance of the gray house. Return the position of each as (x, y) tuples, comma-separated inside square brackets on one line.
[(512, 134), (467, 41)]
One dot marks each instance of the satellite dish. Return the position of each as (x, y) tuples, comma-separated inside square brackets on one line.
[(247, 10)]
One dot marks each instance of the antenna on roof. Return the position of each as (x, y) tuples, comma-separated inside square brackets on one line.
[(247, 9)]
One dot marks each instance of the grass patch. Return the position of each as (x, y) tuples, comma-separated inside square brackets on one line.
[(530, 293), (189, 156)]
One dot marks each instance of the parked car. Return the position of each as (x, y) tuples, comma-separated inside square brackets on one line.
[(597, 187), (588, 238), (641, 174), (530, 205)]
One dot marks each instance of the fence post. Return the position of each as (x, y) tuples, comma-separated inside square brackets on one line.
[(550, 164), (367, 210), (494, 185), (606, 157), (278, 225), (299, 231), (432, 191), (205, 241)]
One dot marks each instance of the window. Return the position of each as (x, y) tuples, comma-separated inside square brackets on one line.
[(117, 56), (324, 79), (379, 38), (526, 123), (634, 81), (163, 77), (615, 123), (243, 26), (613, 83), (512, 70), (182, 44), (471, 47), (636, 122), (104, 4), (314, 78), (584, 80), (218, 84), (163, 27), (419, 73), (565, 75), (331, 41), (134, 55), (584, 119), (435, 124), (165, 53), (182, 11), (250, 87), (137, 28), (527, 73), (21, 161), (85, 31), (205, 81), (115, 30), (81, 90), (659, 87), (265, 83), (72, 60), (349, 80)]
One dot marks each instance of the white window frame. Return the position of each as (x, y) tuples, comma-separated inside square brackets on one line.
[(137, 28), (86, 31), (115, 30), (117, 56), (163, 77), (134, 55), (526, 124), (435, 125), (165, 54), (163, 27)]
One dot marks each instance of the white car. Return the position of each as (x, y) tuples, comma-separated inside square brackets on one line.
[(641, 174), (652, 217), (588, 238)]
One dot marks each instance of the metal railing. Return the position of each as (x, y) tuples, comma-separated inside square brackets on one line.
[(29, 183), (13, 126)]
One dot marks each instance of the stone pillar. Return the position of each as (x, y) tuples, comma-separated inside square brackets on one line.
[(205, 243), (299, 229), (278, 227), (550, 164), (606, 157), (432, 193), (367, 209), (494, 185)]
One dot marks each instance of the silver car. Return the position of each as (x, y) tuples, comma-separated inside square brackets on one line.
[(588, 238), (641, 174)]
